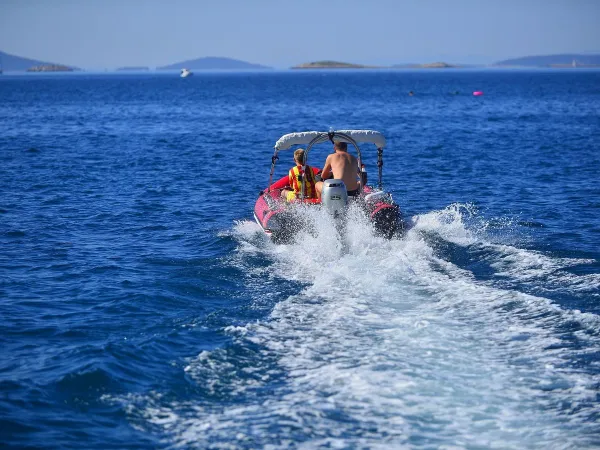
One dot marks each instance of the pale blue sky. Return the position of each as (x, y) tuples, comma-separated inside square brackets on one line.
[(98, 34)]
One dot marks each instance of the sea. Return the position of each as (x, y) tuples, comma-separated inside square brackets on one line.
[(142, 307)]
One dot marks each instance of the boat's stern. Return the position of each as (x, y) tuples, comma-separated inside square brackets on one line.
[(384, 212)]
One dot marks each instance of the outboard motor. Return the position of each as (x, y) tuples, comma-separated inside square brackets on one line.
[(334, 197)]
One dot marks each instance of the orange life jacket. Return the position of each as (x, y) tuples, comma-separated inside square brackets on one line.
[(295, 179)]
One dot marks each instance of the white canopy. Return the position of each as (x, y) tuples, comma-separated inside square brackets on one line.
[(369, 136)]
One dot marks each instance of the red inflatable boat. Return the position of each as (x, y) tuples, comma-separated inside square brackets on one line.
[(282, 219)]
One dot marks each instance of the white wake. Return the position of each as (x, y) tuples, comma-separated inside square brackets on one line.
[(391, 345)]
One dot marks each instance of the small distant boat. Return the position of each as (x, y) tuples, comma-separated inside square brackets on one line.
[(186, 73)]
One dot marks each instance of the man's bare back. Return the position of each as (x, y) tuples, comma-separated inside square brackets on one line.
[(344, 167)]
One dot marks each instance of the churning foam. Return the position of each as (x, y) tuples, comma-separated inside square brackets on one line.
[(392, 345)]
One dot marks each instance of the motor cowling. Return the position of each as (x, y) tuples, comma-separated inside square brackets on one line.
[(334, 197)]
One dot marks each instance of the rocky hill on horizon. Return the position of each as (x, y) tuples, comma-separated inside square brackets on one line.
[(13, 63), (434, 65), (214, 63), (559, 60), (327, 64), (330, 65), (133, 69)]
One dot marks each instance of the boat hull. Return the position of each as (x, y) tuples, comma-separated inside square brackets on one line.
[(282, 220)]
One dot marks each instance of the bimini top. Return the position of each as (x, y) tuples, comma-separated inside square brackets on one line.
[(305, 137)]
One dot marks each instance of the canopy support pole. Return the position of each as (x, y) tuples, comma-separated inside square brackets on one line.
[(274, 159), (380, 166)]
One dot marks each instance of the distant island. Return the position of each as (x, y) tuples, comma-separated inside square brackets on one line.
[(345, 65), (567, 60), (133, 68), (18, 64), (214, 63), (50, 68), (330, 65), (435, 65)]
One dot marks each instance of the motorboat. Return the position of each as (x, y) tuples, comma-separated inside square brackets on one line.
[(185, 73), (282, 219)]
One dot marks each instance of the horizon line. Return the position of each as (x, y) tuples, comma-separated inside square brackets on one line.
[(278, 67)]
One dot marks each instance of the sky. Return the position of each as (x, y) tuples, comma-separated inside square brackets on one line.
[(106, 34)]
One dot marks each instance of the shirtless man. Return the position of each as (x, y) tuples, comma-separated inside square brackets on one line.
[(344, 167)]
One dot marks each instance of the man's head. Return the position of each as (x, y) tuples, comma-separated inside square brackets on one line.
[(299, 156), (341, 146)]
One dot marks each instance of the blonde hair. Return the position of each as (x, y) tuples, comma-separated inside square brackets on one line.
[(299, 155)]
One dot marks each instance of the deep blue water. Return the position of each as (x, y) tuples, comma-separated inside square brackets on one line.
[(141, 307)]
